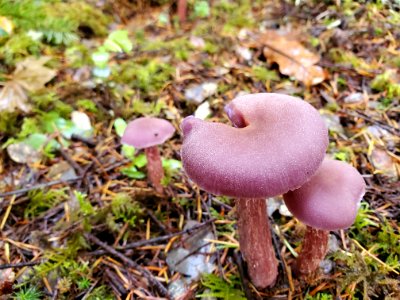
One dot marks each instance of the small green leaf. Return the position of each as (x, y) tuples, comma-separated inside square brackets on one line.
[(36, 140), (100, 59), (201, 9), (132, 172), (172, 164), (140, 161), (118, 41), (120, 126), (128, 151)]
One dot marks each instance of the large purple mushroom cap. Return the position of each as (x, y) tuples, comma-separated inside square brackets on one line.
[(277, 144), (147, 132), (330, 199)]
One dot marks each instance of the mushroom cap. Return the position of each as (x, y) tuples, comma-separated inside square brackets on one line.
[(330, 199), (277, 145), (147, 132)]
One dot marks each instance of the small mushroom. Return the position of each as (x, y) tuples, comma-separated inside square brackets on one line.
[(277, 145), (328, 201), (147, 133)]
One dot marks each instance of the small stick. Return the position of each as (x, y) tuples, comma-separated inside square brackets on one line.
[(157, 221), (55, 182), (39, 186), (19, 265), (71, 162), (130, 263), (245, 282), (84, 140), (164, 237), (214, 230)]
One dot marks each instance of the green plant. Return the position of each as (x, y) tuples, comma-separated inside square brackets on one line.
[(117, 41), (387, 82), (27, 293), (222, 289), (41, 201), (123, 210), (319, 296), (263, 74)]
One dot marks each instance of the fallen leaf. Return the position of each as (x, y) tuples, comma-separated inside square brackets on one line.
[(23, 153), (293, 59), (13, 97), (383, 163), (30, 75)]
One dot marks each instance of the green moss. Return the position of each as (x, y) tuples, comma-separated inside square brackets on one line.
[(8, 122), (222, 289), (18, 46), (386, 82), (126, 210), (47, 100), (27, 293), (149, 76), (87, 104), (40, 201), (262, 74)]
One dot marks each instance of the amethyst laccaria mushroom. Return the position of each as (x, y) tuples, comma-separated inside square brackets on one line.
[(276, 144), (328, 201), (147, 133)]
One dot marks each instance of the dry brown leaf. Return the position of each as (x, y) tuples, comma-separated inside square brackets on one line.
[(293, 59), (12, 97), (30, 75)]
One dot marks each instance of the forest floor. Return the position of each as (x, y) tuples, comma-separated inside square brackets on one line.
[(79, 219)]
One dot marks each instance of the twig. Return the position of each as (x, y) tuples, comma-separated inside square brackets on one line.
[(19, 265), (91, 143), (114, 279), (164, 237), (152, 280), (71, 162), (40, 186), (194, 251), (157, 221), (61, 181), (245, 282), (391, 129), (214, 230)]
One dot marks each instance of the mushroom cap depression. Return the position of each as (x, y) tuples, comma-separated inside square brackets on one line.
[(147, 132), (277, 144), (330, 199)]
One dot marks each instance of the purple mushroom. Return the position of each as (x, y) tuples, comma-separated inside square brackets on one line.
[(147, 133), (328, 201), (277, 143)]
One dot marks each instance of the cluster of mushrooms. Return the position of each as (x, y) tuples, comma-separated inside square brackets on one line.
[(276, 147)]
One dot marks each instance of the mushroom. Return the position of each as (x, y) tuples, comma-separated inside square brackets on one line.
[(147, 133), (328, 201), (277, 145)]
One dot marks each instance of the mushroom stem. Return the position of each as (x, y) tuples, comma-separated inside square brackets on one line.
[(182, 7), (255, 241), (155, 171), (314, 248)]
